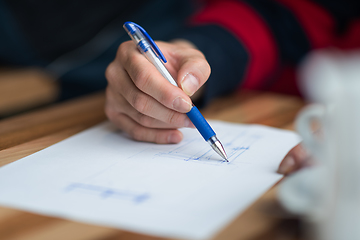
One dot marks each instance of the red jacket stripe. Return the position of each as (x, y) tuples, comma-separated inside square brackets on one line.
[(251, 30), (317, 23)]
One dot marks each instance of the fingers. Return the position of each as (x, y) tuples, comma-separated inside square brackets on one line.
[(141, 102), (138, 126), (193, 70), (149, 80), (143, 109), (296, 159), (141, 133)]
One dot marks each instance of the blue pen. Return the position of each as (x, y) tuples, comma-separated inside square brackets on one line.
[(151, 51)]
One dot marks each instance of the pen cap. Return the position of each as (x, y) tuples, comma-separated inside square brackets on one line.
[(142, 39), (200, 123)]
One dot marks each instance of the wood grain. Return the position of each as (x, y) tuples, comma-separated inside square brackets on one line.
[(83, 112)]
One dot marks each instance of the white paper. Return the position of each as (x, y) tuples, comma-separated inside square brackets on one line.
[(185, 190)]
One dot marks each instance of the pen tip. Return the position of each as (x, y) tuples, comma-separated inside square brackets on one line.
[(218, 147), (220, 150), (223, 153)]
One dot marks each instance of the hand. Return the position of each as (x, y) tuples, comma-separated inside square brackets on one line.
[(296, 159), (142, 103)]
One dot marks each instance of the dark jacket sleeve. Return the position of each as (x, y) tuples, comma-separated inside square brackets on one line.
[(249, 43)]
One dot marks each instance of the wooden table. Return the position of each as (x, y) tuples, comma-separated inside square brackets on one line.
[(22, 89), (25, 134)]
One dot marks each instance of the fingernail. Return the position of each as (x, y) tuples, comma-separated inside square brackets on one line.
[(287, 166), (174, 138), (188, 123), (190, 84), (180, 105)]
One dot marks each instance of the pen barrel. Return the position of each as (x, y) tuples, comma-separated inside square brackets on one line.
[(150, 55), (200, 123)]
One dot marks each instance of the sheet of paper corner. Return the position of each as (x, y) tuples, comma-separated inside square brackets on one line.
[(102, 177)]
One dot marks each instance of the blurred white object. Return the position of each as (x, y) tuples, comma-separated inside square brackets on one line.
[(329, 195)]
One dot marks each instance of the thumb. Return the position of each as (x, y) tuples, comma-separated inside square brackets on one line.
[(193, 69)]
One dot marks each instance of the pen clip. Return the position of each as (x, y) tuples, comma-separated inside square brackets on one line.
[(130, 26)]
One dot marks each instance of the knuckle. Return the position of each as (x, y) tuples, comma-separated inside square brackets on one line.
[(142, 79), (194, 53), (198, 53), (198, 62), (110, 72), (137, 134), (199, 59), (144, 120), (122, 49), (174, 118), (203, 66), (140, 102), (131, 59), (166, 98), (124, 54)]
